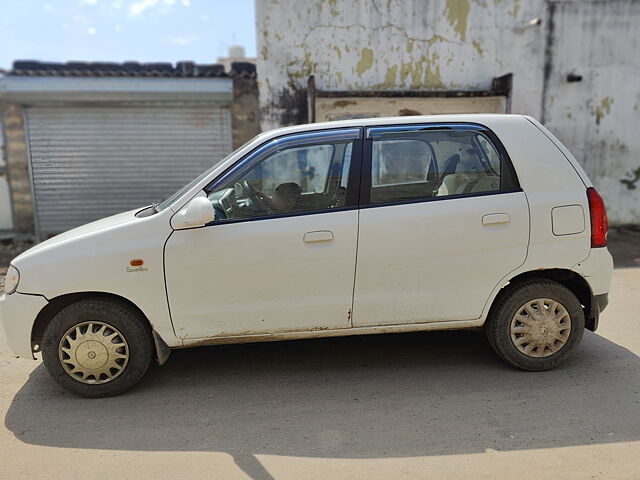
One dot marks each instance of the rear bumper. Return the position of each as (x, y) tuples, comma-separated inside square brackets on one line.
[(602, 300), (18, 313), (598, 304), (597, 270)]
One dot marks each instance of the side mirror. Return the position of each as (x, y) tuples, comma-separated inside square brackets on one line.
[(197, 213)]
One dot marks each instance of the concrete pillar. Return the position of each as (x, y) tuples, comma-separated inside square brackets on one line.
[(17, 169)]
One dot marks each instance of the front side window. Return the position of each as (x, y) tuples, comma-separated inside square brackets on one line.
[(296, 179), (421, 164)]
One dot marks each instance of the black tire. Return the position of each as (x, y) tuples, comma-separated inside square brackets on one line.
[(130, 324), (498, 325)]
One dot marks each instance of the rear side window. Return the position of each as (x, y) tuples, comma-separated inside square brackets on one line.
[(423, 164), (402, 160)]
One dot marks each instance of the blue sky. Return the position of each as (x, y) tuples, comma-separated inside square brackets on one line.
[(119, 30)]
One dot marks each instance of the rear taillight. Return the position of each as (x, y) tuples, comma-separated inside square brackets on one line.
[(598, 214)]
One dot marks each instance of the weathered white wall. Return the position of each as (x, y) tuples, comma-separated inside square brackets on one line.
[(396, 45), (463, 45), (598, 118)]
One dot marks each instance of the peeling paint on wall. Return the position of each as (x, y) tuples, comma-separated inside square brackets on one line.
[(396, 45), (365, 62), (432, 77), (477, 47), (457, 13), (603, 109), (516, 8), (599, 128), (332, 7)]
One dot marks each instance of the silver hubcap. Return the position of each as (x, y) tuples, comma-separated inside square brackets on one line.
[(540, 327), (93, 352)]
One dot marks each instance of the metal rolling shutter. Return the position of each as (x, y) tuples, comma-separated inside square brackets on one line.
[(91, 162)]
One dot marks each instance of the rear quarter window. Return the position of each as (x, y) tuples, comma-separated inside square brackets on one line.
[(422, 164)]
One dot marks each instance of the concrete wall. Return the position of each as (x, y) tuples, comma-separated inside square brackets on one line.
[(396, 45), (598, 117), (245, 118), (444, 45)]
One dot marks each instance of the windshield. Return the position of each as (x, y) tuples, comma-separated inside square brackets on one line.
[(165, 203)]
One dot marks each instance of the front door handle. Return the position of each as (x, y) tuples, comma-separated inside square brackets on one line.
[(494, 218), (318, 236)]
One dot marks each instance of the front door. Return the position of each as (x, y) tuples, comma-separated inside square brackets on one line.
[(442, 222), (281, 254)]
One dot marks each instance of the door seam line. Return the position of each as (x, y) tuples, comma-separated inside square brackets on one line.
[(355, 269)]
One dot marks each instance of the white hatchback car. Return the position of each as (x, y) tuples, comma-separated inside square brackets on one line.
[(343, 228)]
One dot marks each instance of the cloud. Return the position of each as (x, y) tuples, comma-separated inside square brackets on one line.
[(181, 40), (161, 7), (92, 30), (47, 7), (137, 8)]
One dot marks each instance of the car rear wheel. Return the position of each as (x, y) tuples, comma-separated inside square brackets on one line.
[(536, 326), (97, 347)]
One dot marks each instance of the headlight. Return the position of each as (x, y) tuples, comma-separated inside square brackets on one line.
[(11, 280)]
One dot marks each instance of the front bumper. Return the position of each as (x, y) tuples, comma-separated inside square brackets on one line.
[(18, 313)]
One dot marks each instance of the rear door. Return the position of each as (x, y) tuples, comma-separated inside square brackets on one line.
[(442, 221)]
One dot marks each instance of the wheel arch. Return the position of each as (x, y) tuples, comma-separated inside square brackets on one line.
[(57, 304), (568, 278)]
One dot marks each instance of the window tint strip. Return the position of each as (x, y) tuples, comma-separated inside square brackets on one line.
[(321, 136)]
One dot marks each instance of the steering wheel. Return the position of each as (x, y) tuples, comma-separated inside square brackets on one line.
[(255, 198), (338, 197)]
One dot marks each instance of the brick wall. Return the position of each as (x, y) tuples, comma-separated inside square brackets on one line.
[(17, 168)]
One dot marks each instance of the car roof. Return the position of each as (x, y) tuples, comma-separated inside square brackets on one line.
[(379, 121), (482, 119)]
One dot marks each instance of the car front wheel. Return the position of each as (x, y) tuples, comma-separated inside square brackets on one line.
[(536, 326), (97, 347)]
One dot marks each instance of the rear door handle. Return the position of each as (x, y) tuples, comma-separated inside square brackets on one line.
[(318, 236), (494, 218)]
